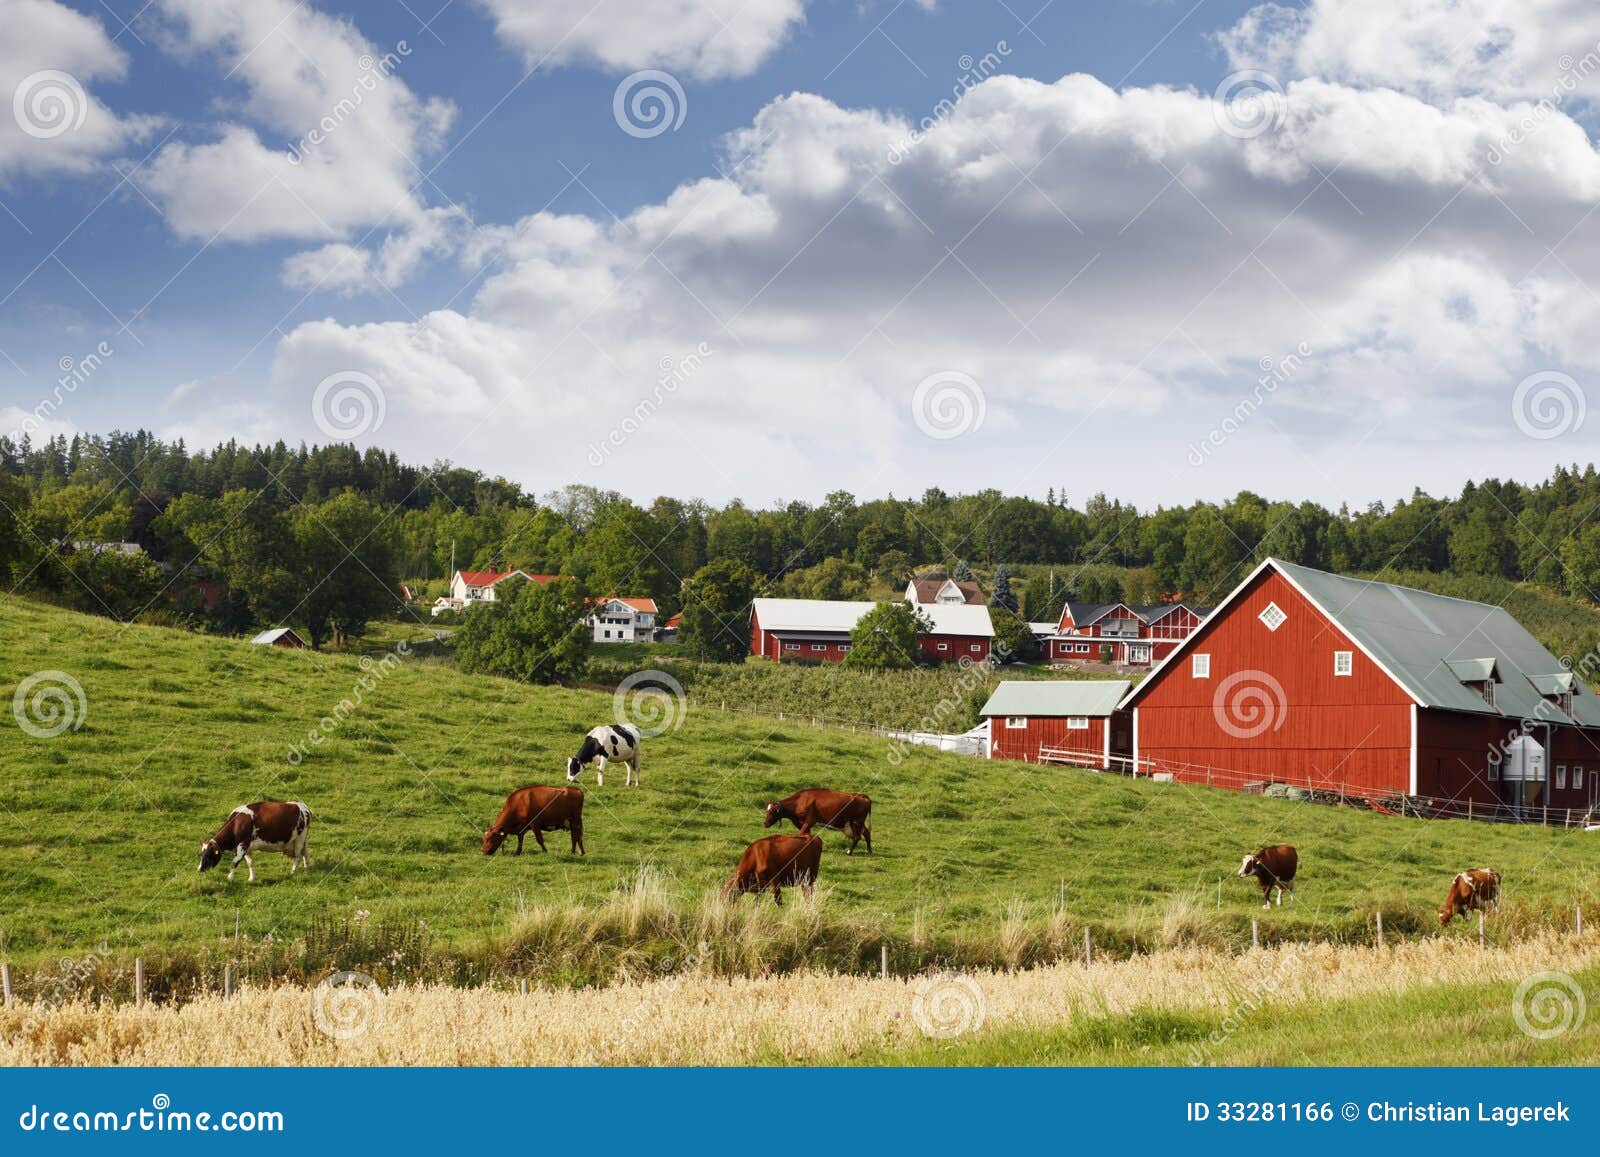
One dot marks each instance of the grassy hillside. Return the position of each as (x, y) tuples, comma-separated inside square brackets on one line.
[(100, 827)]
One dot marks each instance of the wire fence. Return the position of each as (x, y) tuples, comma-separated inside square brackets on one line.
[(1325, 789)]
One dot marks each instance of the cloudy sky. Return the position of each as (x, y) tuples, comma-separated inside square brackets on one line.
[(771, 248)]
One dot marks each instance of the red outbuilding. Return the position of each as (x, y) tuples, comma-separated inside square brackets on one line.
[(1072, 721), (1367, 689)]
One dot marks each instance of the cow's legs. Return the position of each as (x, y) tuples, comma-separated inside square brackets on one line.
[(853, 834), (251, 866), (806, 888), (234, 867), (519, 843), (777, 893), (539, 839), (600, 770), (867, 832)]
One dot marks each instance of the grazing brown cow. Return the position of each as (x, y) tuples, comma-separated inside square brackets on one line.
[(1275, 868), (840, 810), (774, 861), (1471, 890), (267, 826), (537, 810)]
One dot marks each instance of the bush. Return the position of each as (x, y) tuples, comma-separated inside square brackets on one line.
[(533, 633)]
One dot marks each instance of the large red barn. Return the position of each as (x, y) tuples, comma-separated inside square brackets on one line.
[(1324, 682)]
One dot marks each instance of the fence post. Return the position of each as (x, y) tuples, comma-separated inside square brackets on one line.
[(1380, 928), (884, 960), (1580, 921), (1219, 891), (1088, 951), (138, 980), (5, 981), (227, 981), (1480, 927), (1255, 934)]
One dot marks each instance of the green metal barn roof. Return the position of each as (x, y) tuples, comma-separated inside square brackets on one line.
[(1056, 697)]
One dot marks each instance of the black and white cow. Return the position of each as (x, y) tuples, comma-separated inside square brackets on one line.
[(266, 826), (619, 743)]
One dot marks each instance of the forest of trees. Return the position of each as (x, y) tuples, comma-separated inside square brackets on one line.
[(323, 536)]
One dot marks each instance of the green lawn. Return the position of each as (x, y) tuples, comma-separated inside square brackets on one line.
[(100, 827)]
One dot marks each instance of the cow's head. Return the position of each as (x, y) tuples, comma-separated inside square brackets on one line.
[(1446, 914), (774, 814), (492, 839), (210, 855), (574, 770), (1248, 867)]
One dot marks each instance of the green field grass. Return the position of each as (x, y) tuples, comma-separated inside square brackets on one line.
[(100, 827)]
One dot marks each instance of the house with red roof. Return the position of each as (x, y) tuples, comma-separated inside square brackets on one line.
[(470, 587), (620, 619)]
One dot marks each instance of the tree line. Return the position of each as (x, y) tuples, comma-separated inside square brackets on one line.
[(323, 536)]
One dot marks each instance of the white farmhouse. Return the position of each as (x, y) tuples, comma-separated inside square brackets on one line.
[(624, 620), (470, 587)]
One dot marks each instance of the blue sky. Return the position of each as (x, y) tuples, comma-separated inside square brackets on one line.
[(1166, 250)]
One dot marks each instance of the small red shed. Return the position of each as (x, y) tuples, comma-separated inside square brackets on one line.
[(1059, 721)]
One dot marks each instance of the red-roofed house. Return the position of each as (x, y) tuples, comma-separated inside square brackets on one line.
[(624, 620), (478, 586)]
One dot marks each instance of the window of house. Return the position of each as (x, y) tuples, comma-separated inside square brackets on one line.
[(819, 646), (1081, 648), (1272, 615), (1561, 776), (844, 646), (791, 646), (1494, 766), (1577, 777), (1343, 662), (1016, 722), (944, 646), (1077, 723), (608, 634), (1200, 667), (1488, 690), (977, 647)]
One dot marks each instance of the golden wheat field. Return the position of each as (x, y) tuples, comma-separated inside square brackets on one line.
[(694, 1018)]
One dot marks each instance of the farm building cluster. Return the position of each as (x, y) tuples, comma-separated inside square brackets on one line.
[(1309, 682), (614, 619)]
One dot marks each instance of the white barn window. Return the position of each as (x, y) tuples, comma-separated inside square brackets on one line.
[(1077, 723), (1200, 667), (1344, 662), (1016, 722), (1577, 777), (1561, 776), (1272, 615)]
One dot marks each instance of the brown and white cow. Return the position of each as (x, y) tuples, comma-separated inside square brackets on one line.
[(1471, 890), (775, 862), (537, 810), (840, 810), (1275, 868), (266, 826)]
